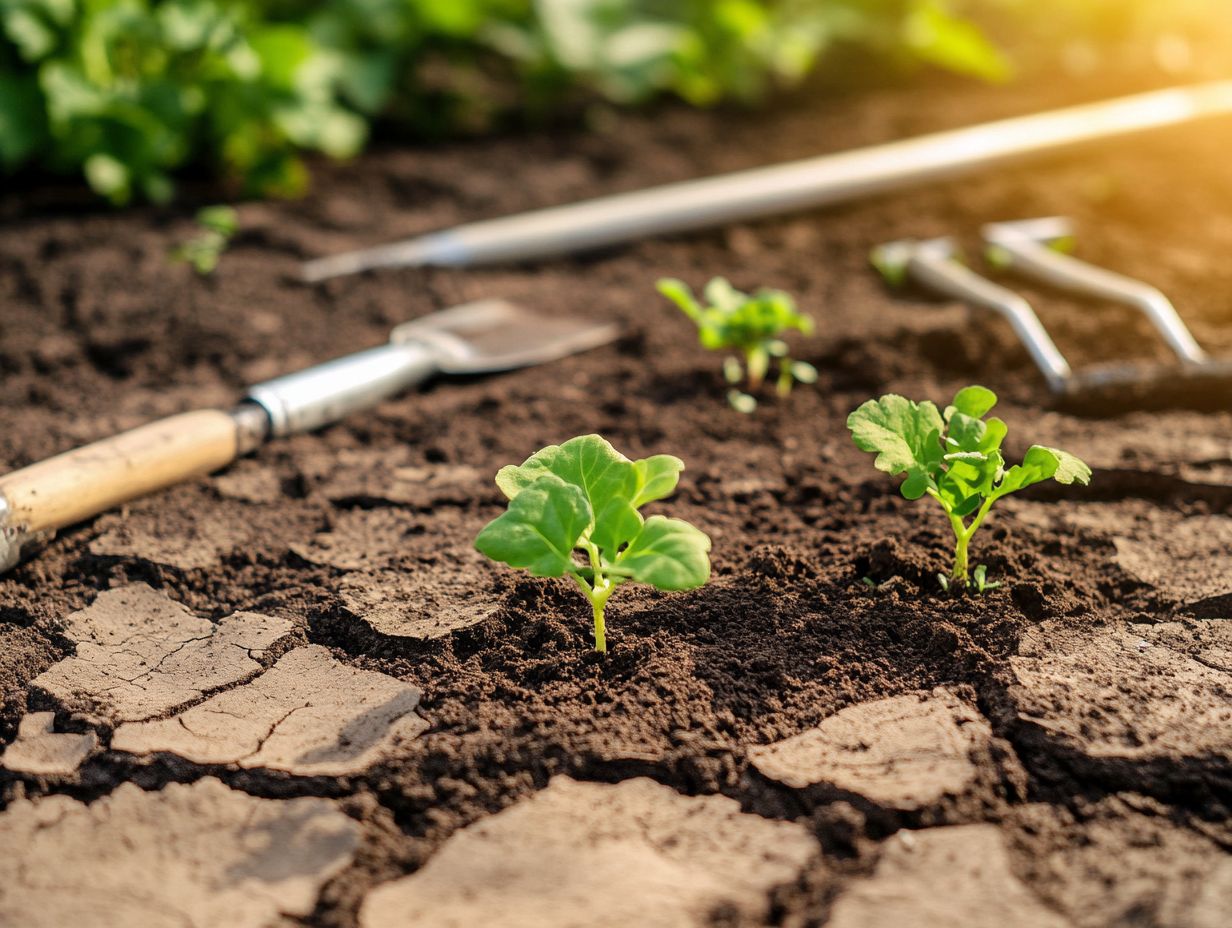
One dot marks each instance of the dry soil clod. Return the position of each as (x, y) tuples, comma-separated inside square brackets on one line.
[(632, 853), (940, 878), (140, 655), (189, 854), (39, 751), (904, 753), (309, 715)]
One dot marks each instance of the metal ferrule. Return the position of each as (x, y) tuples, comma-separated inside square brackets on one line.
[(252, 426), (324, 394)]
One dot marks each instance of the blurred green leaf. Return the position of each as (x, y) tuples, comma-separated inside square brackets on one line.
[(128, 92)]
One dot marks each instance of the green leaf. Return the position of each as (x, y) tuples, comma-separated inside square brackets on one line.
[(615, 525), (668, 554), (608, 479), (108, 176), (540, 529), (973, 401), (1041, 463), (803, 372), (933, 33), (723, 296), (679, 293), (23, 127), (656, 478), (964, 432), (742, 402), (588, 462), (904, 436), (222, 220)]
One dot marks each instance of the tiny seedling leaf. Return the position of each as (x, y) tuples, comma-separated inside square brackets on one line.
[(657, 478), (904, 436), (974, 401), (668, 554), (540, 529)]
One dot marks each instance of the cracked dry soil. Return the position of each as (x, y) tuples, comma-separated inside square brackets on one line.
[(315, 705)]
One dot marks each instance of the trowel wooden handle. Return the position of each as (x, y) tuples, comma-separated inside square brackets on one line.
[(86, 481)]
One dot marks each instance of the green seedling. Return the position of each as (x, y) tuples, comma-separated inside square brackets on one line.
[(754, 326), (573, 511), (218, 224), (955, 457)]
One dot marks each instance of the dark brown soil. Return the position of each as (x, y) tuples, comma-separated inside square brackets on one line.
[(99, 331)]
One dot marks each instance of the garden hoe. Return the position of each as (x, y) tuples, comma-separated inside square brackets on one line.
[(1035, 249), (477, 338)]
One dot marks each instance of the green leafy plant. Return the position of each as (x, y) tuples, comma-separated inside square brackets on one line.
[(218, 224), (128, 92), (754, 326), (573, 511), (955, 457)]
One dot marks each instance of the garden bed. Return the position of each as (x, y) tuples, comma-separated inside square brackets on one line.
[(1074, 726)]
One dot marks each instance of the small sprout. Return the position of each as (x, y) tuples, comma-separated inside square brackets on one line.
[(582, 498), (890, 261), (741, 402), (753, 325), (869, 582), (982, 583), (955, 457), (218, 225)]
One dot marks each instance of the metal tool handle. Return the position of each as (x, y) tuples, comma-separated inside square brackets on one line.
[(1013, 246), (782, 188), (937, 270), (324, 394)]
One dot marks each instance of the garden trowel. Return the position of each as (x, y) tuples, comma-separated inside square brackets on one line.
[(478, 338)]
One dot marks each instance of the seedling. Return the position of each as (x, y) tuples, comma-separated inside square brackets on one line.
[(752, 325), (955, 457), (573, 511), (218, 224)]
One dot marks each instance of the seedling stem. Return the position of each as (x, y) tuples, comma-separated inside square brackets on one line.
[(598, 593), (963, 532)]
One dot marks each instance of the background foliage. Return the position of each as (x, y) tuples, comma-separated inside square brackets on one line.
[(128, 91)]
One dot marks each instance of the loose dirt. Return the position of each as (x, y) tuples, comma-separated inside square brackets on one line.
[(1085, 737)]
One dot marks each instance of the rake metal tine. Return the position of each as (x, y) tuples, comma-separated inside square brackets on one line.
[(1031, 248), (934, 264)]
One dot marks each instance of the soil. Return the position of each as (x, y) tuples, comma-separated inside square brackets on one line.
[(1072, 749)]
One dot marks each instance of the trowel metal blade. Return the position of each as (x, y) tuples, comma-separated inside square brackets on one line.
[(496, 335)]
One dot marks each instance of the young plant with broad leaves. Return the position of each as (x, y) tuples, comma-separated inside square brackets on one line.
[(573, 511), (753, 325), (955, 457)]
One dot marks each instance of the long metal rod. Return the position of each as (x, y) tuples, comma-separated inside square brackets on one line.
[(789, 187)]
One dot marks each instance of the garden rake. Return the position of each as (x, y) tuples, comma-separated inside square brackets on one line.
[(1035, 249)]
